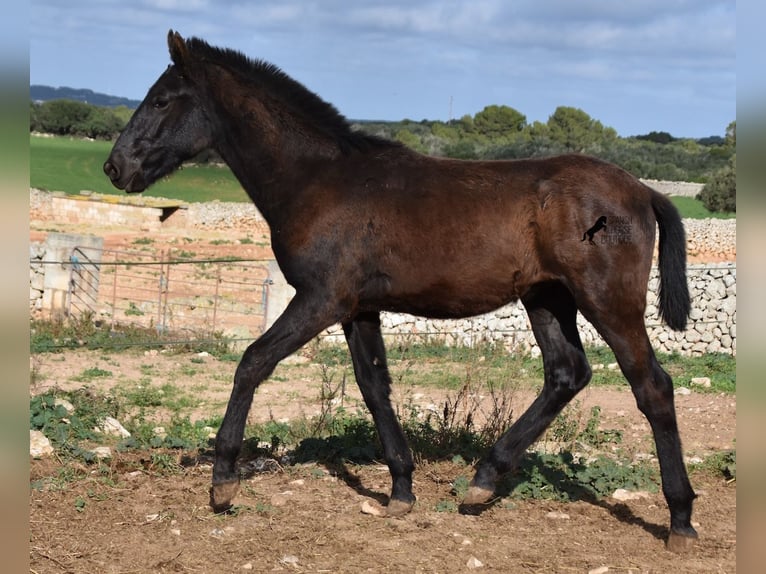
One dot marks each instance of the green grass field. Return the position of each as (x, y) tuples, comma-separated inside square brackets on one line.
[(72, 165), (694, 209)]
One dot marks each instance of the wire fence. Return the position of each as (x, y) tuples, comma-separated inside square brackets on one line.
[(194, 300), (170, 294)]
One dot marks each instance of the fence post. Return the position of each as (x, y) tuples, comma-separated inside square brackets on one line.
[(215, 298), (114, 291), (159, 288), (166, 290)]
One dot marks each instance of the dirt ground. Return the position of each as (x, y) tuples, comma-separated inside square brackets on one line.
[(307, 518)]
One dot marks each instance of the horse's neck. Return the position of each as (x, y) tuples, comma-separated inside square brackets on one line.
[(267, 157)]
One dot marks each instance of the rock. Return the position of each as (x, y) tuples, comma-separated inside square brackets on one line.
[(289, 559), (247, 566), (474, 563), (373, 509), (623, 494), (39, 445), (701, 382), (112, 426), (599, 570), (556, 515), (682, 391), (280, 499), (68, 407), (102, 452)]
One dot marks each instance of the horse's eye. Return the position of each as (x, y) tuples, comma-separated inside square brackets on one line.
[(160, 103)]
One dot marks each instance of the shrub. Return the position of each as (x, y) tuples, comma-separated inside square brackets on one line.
[(720, 193)]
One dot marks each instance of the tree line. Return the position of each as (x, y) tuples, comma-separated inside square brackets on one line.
[(496, 132)]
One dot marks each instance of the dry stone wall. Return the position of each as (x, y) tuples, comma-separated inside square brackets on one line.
[(712, 327)]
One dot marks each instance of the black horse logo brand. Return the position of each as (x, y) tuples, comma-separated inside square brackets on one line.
[(598, 226)]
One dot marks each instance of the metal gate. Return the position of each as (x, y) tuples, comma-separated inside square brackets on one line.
[(170, 294)]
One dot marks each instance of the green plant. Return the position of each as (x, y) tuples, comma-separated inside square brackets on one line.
[(562, 477), (133, 309), (446, 506), (92, 373), (720, 192), (723, 463)]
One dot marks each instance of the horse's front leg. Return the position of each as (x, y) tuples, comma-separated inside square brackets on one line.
[(301, 321)]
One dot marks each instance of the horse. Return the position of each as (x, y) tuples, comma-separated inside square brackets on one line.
[(361, 225)]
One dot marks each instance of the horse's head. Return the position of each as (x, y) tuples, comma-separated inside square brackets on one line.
[(169, 126)]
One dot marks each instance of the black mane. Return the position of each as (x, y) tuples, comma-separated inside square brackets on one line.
[(320, 113)]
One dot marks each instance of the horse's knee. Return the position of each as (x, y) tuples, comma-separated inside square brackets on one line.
[(568, 378)]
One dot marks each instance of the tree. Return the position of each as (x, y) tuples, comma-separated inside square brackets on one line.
[(73, 118), (720, 193), (575, 130), (657, 137), (499, 121)]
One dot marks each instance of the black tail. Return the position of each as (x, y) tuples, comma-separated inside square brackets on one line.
[(674, 300)]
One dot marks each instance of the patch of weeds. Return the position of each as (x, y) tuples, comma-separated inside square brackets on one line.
[(265, 509), (52, 336), (460, 486), (133, 309), (446, 506), (596, 437), (143, 394), (164, 463), (90, 374), (79, 504), (148, 370), (722, 463), (246, 240), (179, 434), (562, 477), (143, 241), (66, 430)]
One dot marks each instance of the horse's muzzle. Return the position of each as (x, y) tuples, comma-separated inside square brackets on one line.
[(131, 181)]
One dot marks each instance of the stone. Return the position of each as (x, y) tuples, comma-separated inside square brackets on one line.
[(373, 509), (102, 452), (39, 445), (112, 426), (68, 407), (474, 563), (623, 495), (701, 382)]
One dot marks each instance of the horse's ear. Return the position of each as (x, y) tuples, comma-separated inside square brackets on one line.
[(177, 46)]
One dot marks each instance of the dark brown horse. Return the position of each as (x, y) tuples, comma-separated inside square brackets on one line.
[(361, 225)]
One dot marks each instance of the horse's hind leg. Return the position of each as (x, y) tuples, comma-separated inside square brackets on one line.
[(368, 355), (653, 389), (552, 313)]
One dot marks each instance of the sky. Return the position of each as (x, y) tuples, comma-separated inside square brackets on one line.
[(642, 66)]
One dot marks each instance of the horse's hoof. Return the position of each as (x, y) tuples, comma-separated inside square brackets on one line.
[(222, 494), (681, 543), (477, 495), (398, 507)]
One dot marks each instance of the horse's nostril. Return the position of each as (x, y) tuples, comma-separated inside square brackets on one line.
[(111, 170)]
